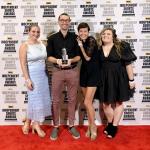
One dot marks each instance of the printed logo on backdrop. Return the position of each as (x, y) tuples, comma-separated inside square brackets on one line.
[(108, 9), (131, 42), (145, 78), (145, 44), (9, 45), (25, 96), (146, 94), (145, 112), (9, 62), (129, 113), (69, 9), (48, 9), (9, 27), (10, 96), (29, 10), (10, 78), (73, 26), (10, 113), (49, 26), (128, 8), (108, 23), (88, 9), (9, 10), (27, 24), (128, 26), (146, 60), (145, 25), (145, 8)]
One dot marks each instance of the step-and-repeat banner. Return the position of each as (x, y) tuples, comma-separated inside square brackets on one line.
[(131, 19)]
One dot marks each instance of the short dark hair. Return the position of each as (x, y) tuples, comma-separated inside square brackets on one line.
[(64, 14), (83, 25)]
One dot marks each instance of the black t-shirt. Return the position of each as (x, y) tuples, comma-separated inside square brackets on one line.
[(57, 42)]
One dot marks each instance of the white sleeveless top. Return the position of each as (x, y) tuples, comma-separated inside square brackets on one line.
[(36, 52)]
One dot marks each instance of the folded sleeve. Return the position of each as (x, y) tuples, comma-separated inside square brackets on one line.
[(127, 54)]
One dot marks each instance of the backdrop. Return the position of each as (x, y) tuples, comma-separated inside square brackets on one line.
[(130, 18)]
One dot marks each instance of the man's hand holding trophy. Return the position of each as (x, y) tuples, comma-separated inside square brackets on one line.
[(64, 62)]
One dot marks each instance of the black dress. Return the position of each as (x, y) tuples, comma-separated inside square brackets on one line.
[(89, 73), (113, 75)]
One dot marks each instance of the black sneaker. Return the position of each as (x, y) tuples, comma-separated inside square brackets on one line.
[(74, 132), (54, 134)]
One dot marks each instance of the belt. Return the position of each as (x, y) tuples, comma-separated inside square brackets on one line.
[(66, 68)]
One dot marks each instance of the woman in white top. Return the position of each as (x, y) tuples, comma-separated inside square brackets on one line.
[(32, 55)]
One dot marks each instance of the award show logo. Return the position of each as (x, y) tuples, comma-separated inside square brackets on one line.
[(48, 10), (128, 9), (49, 27), (10, 113), (9, 28), (146, 8), (69, 9), (9, 10), (146, 94), (129, 113), (146, 25), (146, 60), (108, 23), (10, 96), (108, 9), (128, 26), (72, 26), (145, 44), (29, 10), (88, 9), (10, 62), (145, 80), (146, 113), (9, 45), (131, 42), (10, 79)]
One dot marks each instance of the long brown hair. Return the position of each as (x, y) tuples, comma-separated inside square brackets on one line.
[(116, 41)]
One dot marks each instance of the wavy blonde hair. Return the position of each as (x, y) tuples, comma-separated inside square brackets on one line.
[(116, 41)]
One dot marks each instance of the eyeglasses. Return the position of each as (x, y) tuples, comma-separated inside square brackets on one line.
[(64, 20)]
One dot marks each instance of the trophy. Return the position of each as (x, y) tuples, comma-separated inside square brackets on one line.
[(64, 56)]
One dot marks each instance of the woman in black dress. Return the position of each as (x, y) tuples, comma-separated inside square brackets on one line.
[(89, 74), (116, 75)]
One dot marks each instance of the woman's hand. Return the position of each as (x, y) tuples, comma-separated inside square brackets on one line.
[(79, 42), (29, 84), (132, 84)]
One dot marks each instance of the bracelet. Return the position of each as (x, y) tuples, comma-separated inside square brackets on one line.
[(131, 80)]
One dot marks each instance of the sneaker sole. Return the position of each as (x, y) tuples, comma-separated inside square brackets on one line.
[(74, 136), (53, 139)]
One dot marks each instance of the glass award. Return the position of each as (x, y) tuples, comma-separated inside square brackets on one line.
[(64, 56)]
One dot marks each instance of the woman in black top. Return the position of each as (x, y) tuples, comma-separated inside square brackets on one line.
[(116, 75), (89, 74)]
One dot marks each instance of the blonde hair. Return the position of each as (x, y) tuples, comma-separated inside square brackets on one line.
[(116, 41)]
